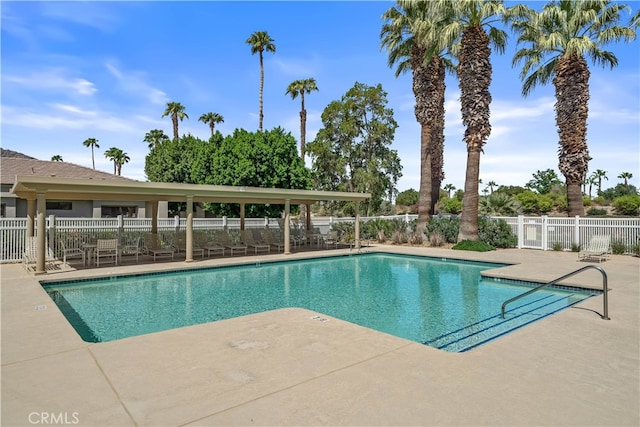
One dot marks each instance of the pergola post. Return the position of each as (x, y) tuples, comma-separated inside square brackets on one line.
[(287, 227), (41, 235), (242, 216), (154, 217), (357, 237), (189, 231), (307, 222), (31, 213)]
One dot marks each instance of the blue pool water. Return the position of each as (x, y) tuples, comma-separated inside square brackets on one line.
[(441, 303)]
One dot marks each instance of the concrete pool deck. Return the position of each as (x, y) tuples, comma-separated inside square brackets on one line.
[(287, 367)]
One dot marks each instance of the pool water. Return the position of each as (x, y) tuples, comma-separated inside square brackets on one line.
[(441, 303)]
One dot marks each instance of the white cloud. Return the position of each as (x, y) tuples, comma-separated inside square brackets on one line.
[(53, 79), (134, 83)]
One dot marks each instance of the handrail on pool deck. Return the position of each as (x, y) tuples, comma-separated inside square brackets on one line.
[(605, 315)]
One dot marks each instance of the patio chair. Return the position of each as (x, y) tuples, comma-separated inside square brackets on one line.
[(246, 237), (152, 246), (131, 248), (225, 240), (71, 251), (270, 239), (201, 240), (30, 257), (106, 248), (599, 248), (180, 244), (331, 239)]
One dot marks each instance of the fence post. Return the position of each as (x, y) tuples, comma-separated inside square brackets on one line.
[(120, 232), (266, 222), (224, 223), (520, 231), (545, 232), (176, 223), (52, 232), (576, 230)]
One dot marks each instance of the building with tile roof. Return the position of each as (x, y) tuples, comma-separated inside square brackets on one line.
[(13, 163)]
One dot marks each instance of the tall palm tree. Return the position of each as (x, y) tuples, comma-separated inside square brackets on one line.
[(449, 188), (261, 41), (557, 40), (211, 119), (411, 34), (121, 159), (491, 184), (598, 175), (57, 158), (626, 176), (93, 143), (155, 137), (176, 111), (470, 18), (300, 87), (112, 154)]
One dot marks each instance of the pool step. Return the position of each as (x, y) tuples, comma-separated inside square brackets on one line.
[(526, 312)]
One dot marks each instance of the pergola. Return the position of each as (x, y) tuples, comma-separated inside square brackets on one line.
[(37, 189)]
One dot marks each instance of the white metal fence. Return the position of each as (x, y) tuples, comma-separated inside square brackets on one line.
[(533, 232)]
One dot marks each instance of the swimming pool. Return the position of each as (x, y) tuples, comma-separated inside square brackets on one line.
[(442, 303)]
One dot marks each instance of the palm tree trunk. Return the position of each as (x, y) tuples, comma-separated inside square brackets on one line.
[(572, 96), (93, 159), (424, 204), (469, 214), (174, 119), (212, 125), (261, 88), (437, 134), (303, 125)]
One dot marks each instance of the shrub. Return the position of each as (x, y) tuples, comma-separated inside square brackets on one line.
[(381, 236), (473, 245), (575, 247), (416, 238), (557, 246), (436, 239), (635, 249), (586, 201), (596, 212), (398, 237), (496, 233), (627, 205), (446, 227), (618, 247), (451, 206)]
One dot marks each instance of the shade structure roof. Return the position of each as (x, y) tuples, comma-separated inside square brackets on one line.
[(56, 188)]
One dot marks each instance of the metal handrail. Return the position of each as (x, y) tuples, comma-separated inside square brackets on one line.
[(573, 273)]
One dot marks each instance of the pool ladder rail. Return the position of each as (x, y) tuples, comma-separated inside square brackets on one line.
[(605, 289)]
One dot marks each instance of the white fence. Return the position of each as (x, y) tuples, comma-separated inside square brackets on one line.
[(533, 232)]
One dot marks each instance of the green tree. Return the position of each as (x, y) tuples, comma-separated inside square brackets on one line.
[(176, 111), (407, 197), (260, 42), (469, 20), (557, 40), (113, 154), (543, 181), (598, 175), (449, 188), (172, 161), (352, 151), (300, 87), (57, 158), (619, 190), (499, 204), (626, 176), (412, 37), (155, 137), (93, 143), (211, 119)]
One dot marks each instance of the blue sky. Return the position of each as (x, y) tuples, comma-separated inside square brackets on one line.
[(75, 70)]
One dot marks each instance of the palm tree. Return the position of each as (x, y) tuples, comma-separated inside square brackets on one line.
[(176, 111), (411, 35), (112, 154), (211, 119), (598, 175), (58, 158), (93, 143), (121, 158), (491, 184), (300, 87), (470, 17), (626, 176), (260, 41), (155, 137), (558, 39), (449, 188)]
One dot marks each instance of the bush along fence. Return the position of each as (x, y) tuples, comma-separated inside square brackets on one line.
[(523, 232)]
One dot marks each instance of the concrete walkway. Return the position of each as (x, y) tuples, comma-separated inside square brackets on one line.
[(286, 368)]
